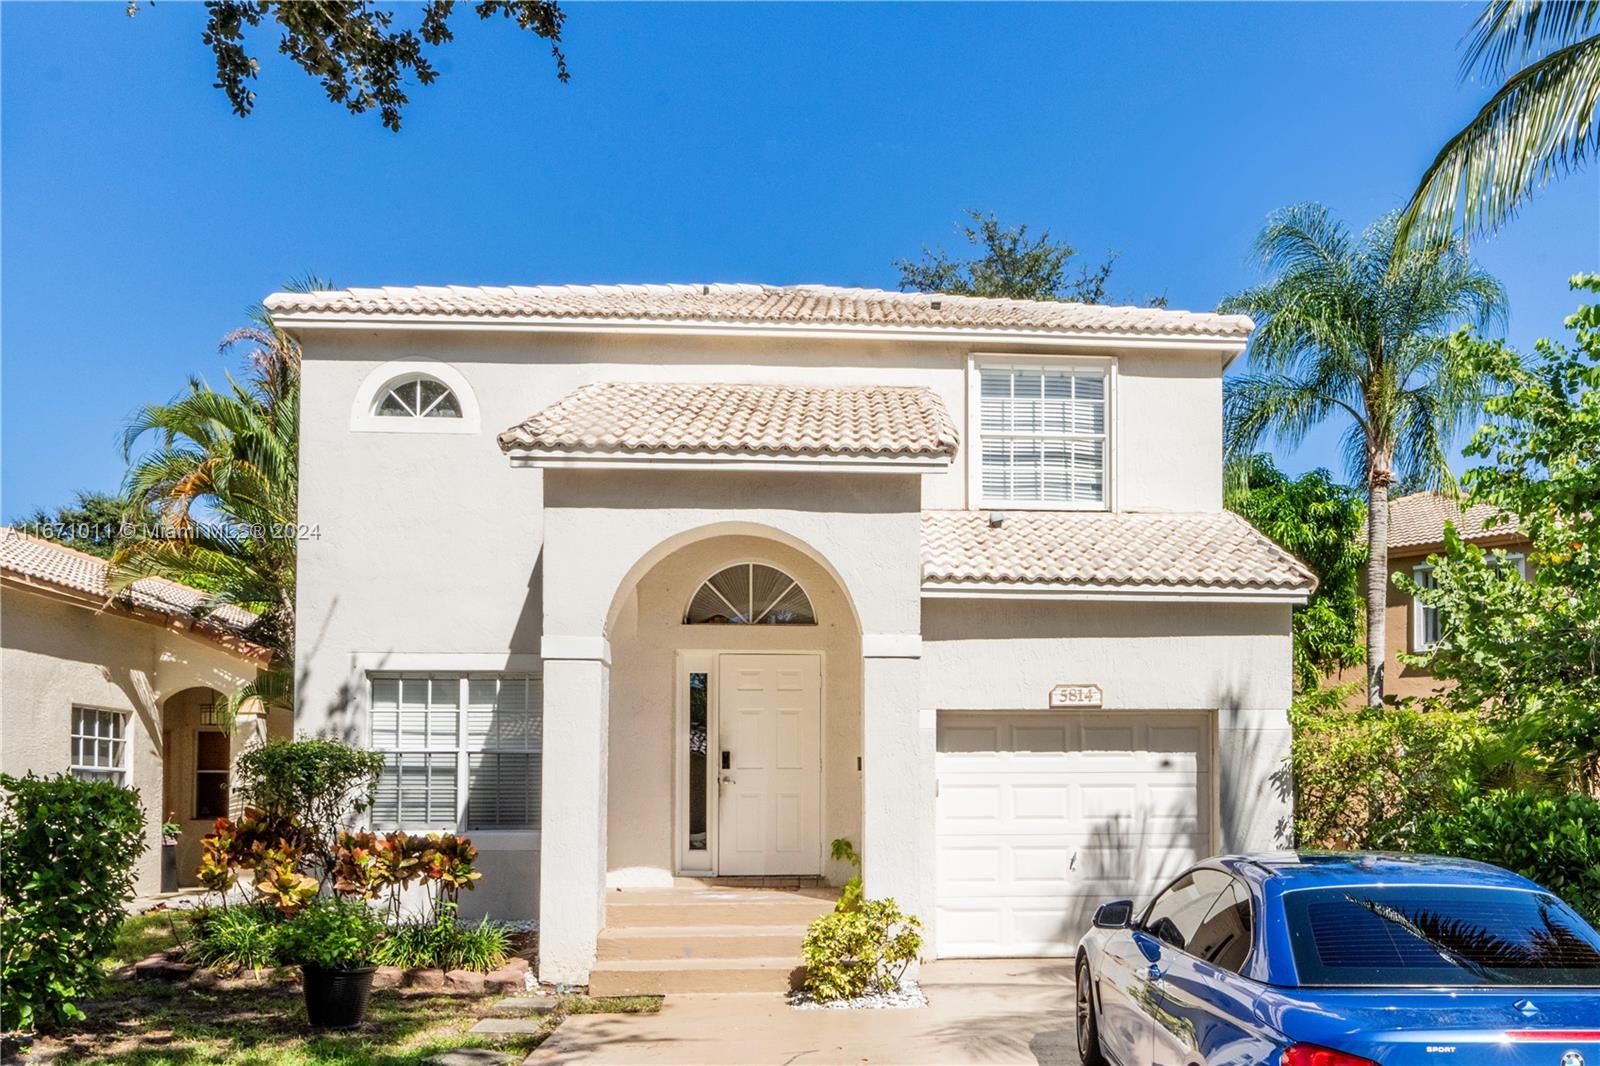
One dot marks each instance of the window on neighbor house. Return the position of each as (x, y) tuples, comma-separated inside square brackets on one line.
[(1427, 623), (1042, 434), (99, 745), (418, 397), (1427, 626), (461, 750), (750, 594), (211, 774)]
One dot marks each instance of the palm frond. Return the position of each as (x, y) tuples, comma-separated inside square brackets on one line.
[(1509, 33), (1539, 126)]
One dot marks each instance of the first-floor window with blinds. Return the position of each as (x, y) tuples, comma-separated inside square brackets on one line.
[(99, 745), (460, 750), (1043, 434)]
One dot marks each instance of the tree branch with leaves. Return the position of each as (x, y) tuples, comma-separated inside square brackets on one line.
[(352, 47), (1008, 264)]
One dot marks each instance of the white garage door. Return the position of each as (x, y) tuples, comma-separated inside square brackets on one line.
[(1043, 817)]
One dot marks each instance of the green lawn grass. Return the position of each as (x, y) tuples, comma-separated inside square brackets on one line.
[(152, 1024), (241, 1023), (141, 935)]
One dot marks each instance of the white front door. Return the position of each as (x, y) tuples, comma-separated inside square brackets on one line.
[(1043, 817), (769, 765)]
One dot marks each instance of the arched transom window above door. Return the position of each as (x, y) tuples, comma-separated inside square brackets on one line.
[(750, 594)]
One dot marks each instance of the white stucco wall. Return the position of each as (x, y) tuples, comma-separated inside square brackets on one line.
[(1233, 660), (55, 655)]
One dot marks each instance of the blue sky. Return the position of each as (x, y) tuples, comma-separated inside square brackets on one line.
[(695, 143)]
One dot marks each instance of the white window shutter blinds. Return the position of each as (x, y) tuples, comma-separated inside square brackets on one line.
[(1042, 431)]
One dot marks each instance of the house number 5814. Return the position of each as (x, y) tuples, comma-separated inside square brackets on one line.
[(1076, 696)]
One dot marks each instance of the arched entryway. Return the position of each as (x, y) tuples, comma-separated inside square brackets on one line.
[(197, 770), (735, 715)]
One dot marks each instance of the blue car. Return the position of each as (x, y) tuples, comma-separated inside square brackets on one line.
[(1340, 960)]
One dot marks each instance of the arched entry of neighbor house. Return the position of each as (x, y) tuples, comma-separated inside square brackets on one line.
[(197, 769), (735, 723)]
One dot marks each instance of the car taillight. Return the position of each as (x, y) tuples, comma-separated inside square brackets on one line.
[(1311, 1055)]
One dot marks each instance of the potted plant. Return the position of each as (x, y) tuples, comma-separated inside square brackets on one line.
[(332, 941), (170, 831)]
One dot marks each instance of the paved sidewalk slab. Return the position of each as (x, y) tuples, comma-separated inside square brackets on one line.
[(513, 1005), (990, 1012), (471, 1056), (507, 1026)]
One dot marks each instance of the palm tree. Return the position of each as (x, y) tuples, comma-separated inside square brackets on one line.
[(1539, 125), (1346, 328), (223, 477)]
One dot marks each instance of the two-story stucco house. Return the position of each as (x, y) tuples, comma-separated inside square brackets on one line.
[(638, 583)]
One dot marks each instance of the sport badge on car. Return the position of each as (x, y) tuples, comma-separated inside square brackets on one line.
[(1572, 1058)]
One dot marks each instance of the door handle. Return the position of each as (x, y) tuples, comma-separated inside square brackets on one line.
[(726, 780), (1155, 971)]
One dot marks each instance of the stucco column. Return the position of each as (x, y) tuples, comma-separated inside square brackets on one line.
[(897, 801), (572, 849), (1252, 766)]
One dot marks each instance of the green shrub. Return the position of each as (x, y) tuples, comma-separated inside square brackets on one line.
[(314, 783), (237, 938), (860, 952), (445, 943), (332, 934), (1550, 838), (1364, 777), (67, 849), (851, 895)]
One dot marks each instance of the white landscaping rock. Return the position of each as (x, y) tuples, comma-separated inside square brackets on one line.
[(909, 995)]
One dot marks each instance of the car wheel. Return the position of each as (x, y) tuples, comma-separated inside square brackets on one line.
[(1088, 1022)]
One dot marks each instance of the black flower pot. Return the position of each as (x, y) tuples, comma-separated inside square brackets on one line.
[(169, 867), (336, 999)]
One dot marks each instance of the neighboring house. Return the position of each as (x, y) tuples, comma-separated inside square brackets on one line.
[(1416, 531), (638, 582), (123, 689)]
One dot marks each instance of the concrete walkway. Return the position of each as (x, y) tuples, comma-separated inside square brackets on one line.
[(979, 1013)]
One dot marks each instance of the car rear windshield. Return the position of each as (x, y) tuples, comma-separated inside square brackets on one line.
[(1438, 935)]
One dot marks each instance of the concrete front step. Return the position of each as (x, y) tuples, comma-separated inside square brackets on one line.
[(698, 908), (644, 977), (702, 942)]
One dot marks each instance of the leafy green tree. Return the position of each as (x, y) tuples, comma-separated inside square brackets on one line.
[(1346, 329), (95, 522), (350, 47), (1322, 523), (1538, 126), (1527, 652), (1008, 264), (233, 457)]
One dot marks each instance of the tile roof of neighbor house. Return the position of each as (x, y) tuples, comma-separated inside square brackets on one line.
[(1107, 552), (50, 563), (1418, 521), (800, 421), (772, 305)]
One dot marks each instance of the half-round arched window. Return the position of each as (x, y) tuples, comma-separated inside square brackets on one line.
[(417, 396), (750, 594)]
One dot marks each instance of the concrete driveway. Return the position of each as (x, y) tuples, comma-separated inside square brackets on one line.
[(979, 1012)]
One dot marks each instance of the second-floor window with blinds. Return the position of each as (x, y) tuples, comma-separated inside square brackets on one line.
[(462, 751), (1042, 430)]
